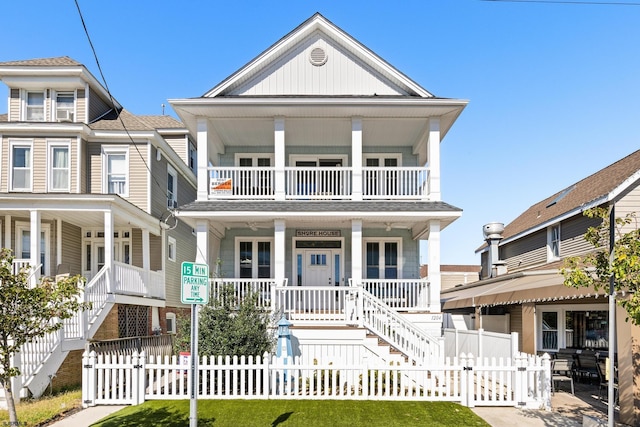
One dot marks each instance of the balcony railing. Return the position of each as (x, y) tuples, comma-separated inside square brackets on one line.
[(131, 280), (311, 183)]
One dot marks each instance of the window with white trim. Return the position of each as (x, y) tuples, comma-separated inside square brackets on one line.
[(21, 170), (59, 166), (35, 106), (254, 258), (23, 244), (553, 243), (172, 187), (172, 249), (116, 170), (382, 258), (170, 318), (65, 106), (193, 158)]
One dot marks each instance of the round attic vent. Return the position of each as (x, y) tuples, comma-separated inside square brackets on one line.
[(318, 56)]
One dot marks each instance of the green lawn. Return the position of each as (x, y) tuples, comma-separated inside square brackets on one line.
[(38, 411), (289, 413)]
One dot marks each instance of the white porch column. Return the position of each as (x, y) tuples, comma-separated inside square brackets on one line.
[(356, 251), (7, 233), (34, 246), (108, 249), (279, 250), (356, 158), (58, 244), (280, 161), (434, 266), (433, 155), (146, 256), (203, 159), (202, 242)]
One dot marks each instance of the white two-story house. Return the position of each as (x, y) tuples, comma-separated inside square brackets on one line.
[(88, 188), (318, 177)]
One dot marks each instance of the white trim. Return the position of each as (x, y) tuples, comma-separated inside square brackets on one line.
[(293, 158), (254, 248), (381, 157), (24, 96), (381, 255), (51, 144), (550, 255), (45, 228), (171, 242), (20, 143), (107, 150), (561, 310), (172, 317), (340, 251)]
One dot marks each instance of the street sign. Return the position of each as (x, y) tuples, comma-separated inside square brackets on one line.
[(195, 283)]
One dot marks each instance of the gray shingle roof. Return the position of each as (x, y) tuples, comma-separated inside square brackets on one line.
[(40, 62), (4, 117), (161, 122), (316, 206), (112, 122)]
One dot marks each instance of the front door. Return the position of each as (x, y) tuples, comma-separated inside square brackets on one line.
[(318, 268)]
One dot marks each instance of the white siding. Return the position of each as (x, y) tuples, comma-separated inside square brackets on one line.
[(294, 74)]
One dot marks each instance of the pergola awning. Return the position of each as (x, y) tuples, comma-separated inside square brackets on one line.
[(525, 287)]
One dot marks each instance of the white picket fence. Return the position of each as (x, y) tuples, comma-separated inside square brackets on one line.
[(523, 381)]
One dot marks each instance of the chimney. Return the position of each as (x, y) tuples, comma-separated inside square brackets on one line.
[(493, 234)]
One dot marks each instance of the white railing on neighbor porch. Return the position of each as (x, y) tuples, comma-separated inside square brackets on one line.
[(131, 280), (304, 183), (318, 183), (401, 294), (523, 381), (384, 321)]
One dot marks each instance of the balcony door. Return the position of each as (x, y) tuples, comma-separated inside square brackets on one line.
[(318, 182)]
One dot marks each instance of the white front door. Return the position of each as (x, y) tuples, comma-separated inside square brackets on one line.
[(318, 268)]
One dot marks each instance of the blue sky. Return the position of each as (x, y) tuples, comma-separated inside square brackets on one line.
[(552, 88)]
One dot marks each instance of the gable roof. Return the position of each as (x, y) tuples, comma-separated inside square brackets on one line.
[(111, 121), (43, 62), (603, 186), (308, 33)]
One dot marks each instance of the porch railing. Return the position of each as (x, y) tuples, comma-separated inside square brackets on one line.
[(317, 183), (313, 304), (131, 280), (401, 294), (261, 288)]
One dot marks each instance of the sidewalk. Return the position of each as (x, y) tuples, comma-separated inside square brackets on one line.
[(88, 416)]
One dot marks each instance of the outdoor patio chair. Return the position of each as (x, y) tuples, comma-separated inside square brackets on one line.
[(603, 383), (561, 371)]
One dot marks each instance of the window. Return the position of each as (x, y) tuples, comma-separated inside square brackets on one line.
[(35, 106), (171, 323), (23, 244), (116, 167), (59, 176), (193, 158), (172, 249), (172, 187), (382, 259), (254, 260), (553, 243), (549, 330), (65, 102), (21, 167)]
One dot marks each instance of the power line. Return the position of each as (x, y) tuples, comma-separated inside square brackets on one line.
[(113, 103), (577, 2)]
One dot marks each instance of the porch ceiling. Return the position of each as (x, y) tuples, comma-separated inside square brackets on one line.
[(82, 210), (515, 289)]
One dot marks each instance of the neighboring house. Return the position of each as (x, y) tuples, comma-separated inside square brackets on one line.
[(521, 280), (454, 275), (318, 177), (86, 188)]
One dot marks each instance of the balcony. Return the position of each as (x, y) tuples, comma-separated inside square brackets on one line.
[(319, 183)]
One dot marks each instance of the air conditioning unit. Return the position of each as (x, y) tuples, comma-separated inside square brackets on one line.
[(64, 116)]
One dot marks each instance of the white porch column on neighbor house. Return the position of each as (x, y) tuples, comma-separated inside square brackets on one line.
[(203, 159), (356, 158), (433, 155), (58, 244), (202, 243), (7, 232), (356, 251), (434, 266), (279, 161), (279, 250), (108, 250), (146, 252), (34, 245)]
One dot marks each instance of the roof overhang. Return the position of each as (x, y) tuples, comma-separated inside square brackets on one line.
[(518, 288)]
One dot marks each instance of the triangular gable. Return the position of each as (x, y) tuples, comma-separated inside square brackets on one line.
[(318, 59)]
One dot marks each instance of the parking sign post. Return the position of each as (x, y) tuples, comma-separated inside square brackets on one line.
[(195, 291)]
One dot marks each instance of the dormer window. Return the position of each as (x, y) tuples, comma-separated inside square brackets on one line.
[(65, 106), (35, 106)]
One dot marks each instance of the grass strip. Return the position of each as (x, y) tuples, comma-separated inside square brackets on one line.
[(33, 413)]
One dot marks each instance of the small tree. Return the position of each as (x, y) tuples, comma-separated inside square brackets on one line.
[(595, 268), (27, 313), (229, 327)]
